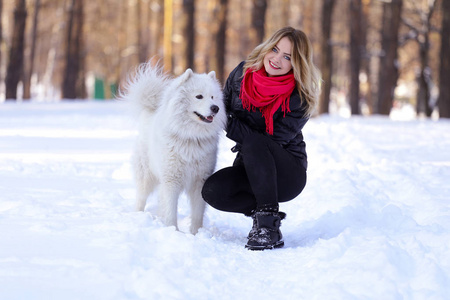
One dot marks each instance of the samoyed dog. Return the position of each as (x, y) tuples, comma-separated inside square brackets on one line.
[(179, 121)]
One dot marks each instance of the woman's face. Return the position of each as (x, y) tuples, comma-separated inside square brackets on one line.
[(278, 61)]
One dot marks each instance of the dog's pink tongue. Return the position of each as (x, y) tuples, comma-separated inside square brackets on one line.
[(210, 118)]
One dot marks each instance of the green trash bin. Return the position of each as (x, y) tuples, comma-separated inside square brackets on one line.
[(99, 89), (113, 88)]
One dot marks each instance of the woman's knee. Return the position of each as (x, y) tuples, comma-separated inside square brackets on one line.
[(228, 190), (215, 187), (209, 189)]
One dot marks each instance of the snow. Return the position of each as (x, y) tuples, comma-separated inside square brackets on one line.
[(372, 223)]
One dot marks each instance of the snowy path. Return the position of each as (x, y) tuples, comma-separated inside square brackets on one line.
[(372, 223)]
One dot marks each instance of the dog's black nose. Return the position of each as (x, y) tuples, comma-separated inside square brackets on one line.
[(214, 109)]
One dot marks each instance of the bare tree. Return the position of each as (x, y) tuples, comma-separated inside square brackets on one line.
[(326, 55), (366, 84), (14, 71), (157, 27), (420, 32), (388, 72), (189, 32), (29, 71), (355, 54), (122, 66), (142, 53), (168, 31), (1, 34), (444, 72), (72, 78), (221, 40), (258, 20)]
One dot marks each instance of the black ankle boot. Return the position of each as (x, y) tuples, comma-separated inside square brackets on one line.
[(254, 226), (268, 234), (254, 229)]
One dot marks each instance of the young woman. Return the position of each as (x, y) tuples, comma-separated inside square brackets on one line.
[(269, 98)]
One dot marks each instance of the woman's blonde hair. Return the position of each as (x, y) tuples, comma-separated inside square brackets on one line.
[(306, 74)]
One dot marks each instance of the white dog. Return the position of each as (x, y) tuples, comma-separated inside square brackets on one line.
[(179, 124)]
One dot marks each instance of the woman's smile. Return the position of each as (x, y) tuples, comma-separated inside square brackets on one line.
[(273, 65)]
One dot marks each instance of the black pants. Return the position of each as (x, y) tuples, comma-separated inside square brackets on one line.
[(266, 175)]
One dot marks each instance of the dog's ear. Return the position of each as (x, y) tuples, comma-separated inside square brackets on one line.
[(186, 75), (212, 74)]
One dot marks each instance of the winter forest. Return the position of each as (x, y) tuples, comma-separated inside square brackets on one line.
[(373, 221), (373, 54)]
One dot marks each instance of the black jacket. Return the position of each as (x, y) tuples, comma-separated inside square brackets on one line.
[(241, 122)]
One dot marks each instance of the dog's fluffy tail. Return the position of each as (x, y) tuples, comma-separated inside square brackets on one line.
[(143, 90)]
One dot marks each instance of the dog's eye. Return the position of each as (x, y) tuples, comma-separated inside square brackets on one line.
[(199, 96)]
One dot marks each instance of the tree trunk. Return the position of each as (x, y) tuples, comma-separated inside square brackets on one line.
[(221, 40), (142, 51), (388, 71), (72, 79), (366, 85), (424, 79), (14, 71), (444, 72), (326, 55), (258, 20), (1, 35), (122, 66), (157, 28), (189, 32), (29, 72), (355, 54), (168, 30)]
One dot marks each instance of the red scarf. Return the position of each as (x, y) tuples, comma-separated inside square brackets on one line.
[(266, 93)]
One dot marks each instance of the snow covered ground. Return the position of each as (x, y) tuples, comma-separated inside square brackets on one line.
[(372, 223)]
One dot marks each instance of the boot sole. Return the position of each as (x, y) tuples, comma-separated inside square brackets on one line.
[(278, 244)]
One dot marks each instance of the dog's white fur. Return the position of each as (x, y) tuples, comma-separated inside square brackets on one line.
[(179, 127)]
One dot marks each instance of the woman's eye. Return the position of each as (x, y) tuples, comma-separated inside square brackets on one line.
[(199, 96), (274, 50), (287, 57)]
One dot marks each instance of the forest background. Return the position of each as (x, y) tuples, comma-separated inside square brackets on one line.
[(373, 54)]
